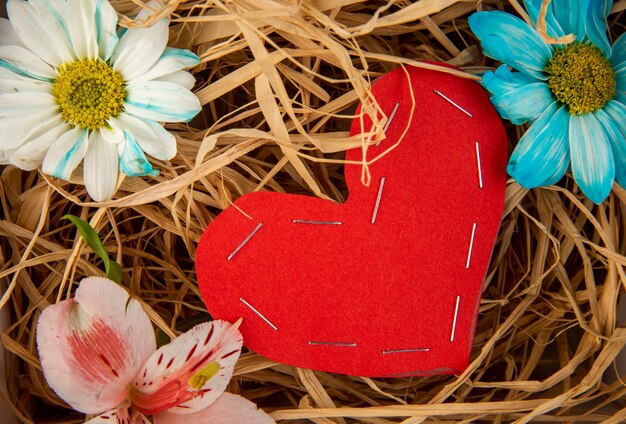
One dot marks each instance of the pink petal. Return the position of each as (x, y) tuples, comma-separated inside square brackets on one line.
[(207, 353), (119, 415), (227, 409), (92, 346)]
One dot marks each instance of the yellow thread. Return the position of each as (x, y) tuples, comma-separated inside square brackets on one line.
[(89, 92), (199, 379), (581, 78)]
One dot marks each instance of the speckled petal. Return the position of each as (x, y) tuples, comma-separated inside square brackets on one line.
[(165, 382)]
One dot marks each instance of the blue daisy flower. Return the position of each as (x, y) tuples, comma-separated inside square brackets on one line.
[(574, 95)]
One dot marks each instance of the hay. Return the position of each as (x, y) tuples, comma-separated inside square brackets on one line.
[(279, 81)]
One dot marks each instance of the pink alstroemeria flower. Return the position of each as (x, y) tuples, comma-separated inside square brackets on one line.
[(98, 353)]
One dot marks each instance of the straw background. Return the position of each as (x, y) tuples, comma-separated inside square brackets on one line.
[(279, 81)]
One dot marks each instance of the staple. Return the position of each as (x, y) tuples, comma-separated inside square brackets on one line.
[(453, 103), (247, 239), (259, 314), (340, 344), (411, 350), (471, 246), (480, 169), (304, 221), (456, 315), (380, 194), (391, 116)]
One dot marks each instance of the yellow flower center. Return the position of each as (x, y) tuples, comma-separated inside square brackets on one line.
[(199, 379), (581, 78), (89, 92)]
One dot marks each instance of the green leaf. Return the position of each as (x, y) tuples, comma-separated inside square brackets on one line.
[(114, 272), (113, 269), (90, 236)]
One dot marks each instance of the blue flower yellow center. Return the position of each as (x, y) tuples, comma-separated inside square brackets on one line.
[(89, 92), (581, 78)]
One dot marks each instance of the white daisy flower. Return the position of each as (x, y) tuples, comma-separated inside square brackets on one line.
[(72, 89)]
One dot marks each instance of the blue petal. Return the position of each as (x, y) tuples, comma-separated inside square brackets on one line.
[(510, 40), (133, 161), (595, 25), (541, 156), (613, 116), (618, 55), (503, 80), (517, 97), (620, 83), (571, 16), (593, 165), (523, 104), (533, 7)]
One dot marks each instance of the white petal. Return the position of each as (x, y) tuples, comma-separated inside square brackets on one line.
[(182, 78), (171, 60), (112, 135), (227, 409), (21, 60), (66, 153), (8, 34), (10, 82), (16, 130), (26, 103), (151, 136), (106, 25), (82, 27), (91, 346), (161, 101), (30, 155), (40, 31), (5, 156), (100, 169), (58, 10), (593, 164), (139, 49), (162, 146), (215, 345)]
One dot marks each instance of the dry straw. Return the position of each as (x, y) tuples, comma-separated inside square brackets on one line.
[(279, 81)]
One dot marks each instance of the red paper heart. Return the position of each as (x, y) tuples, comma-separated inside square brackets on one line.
[(395, 297)]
